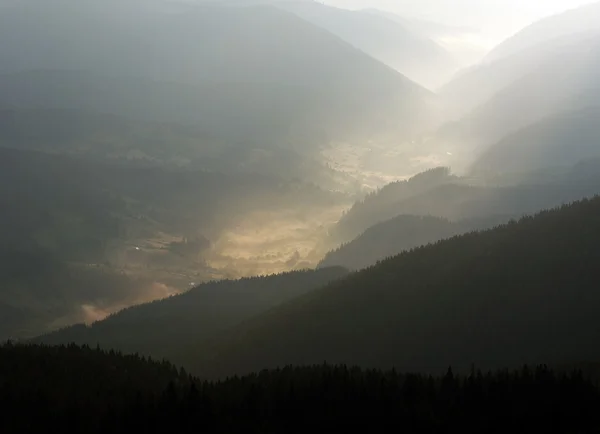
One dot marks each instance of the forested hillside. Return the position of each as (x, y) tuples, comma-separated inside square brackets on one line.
[(375, 207), (164, 328), (103, 199), (261, 195), (83, 237), (401, 233), (523, 292), (120, 139), (492, 196), (90, 391)]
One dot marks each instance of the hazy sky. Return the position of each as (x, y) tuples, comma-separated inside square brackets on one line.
[(497, 19)]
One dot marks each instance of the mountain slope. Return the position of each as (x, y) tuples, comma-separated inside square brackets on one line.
[(256, 68), (438, 193), (375, 207), (483, 199), (455, 40), (560, 140), (520, 54), (164, 328), (582, 19), (413, 55), (519, 293), (399, 234), (81, 238), (476, 85), (567, 80), (388, 239), (119, 139)]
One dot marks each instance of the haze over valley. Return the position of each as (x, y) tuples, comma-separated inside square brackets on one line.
[(244, 185)]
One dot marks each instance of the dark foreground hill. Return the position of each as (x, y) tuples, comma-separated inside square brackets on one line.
[(80, 390), (523, 292), (165, 327)]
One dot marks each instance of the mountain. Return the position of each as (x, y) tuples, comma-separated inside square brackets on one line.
[(40, 293), (482, 197), (583, 19), (253, 73), (560, 140), (387, 40), (374, 208), (399, 234), (116, 138), (165, 327), (518, 56), (429, 29), (520, 293), (388, 239), (103, 199), (457, 41), (477, 84), (83, 238), (567, 80), (94, 391), (106, 136)]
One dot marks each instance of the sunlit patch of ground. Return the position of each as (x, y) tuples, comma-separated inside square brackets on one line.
[(265, 242), (374, 165), (257, 243), (273, 242)]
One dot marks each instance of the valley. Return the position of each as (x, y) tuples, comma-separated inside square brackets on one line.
[(268, 215)]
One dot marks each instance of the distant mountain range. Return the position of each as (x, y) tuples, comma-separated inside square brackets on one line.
[(513, 92), (385, 38), (560, 140), (579, 20), (254, 73)]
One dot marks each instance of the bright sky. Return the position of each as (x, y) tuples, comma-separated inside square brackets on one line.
[(497, 19)]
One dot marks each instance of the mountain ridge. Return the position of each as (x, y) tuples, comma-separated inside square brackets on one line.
[(461, 301)]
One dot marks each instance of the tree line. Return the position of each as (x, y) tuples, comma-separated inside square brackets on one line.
[(80, 389)]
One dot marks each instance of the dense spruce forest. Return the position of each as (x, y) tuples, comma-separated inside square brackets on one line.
[(497, 298), (83, 390), (490, 196), (163, 328), (379, 206), (399, 234), (525, 292)]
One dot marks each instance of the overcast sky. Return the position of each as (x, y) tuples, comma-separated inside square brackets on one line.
[(497, 19)]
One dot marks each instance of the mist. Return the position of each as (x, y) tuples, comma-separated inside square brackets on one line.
[(153, 150), (292, 216)]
